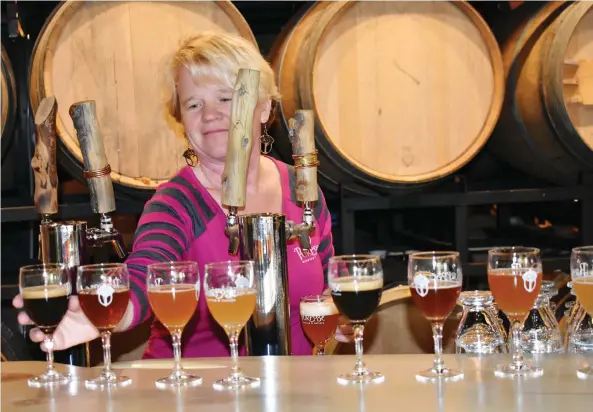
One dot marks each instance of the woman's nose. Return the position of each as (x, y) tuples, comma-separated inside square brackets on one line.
[(211, 112)]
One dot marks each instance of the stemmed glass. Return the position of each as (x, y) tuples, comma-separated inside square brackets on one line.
[(231, 297), (104, 294), (173, 293), (435, 280), (356, 283), (45, 289), (319, 318), (581, 271), (515, 279)]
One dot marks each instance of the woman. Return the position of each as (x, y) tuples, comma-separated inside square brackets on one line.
[(185, 220)]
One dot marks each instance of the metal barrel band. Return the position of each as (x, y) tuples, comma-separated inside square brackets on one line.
[(93, 174), (306, 160)]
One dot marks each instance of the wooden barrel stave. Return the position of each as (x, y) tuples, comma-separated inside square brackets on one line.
[(535, 133), (9, 103), (314, 32), (121, 67)]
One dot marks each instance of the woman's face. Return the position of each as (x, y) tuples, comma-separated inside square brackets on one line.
[(206, 114)]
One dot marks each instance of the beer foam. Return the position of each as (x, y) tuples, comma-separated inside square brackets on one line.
[(510, 272), (583, 280), (318, 308), (45, 291), (356, 283), (169, 288)]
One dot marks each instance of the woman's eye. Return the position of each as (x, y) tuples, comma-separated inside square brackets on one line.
[(195, 106), (226, 99)]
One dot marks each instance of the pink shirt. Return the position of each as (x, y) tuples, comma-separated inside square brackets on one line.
[(182, 221)]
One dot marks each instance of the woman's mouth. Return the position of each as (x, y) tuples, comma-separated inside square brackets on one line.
[(214, 131)]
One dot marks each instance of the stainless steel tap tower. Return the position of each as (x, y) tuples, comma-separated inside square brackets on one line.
[(263, 237)]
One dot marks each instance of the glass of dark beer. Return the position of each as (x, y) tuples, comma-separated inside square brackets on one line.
[(319, 318), (104, 293), (356, 283), (45, 289), (435, 280), (515, 279)]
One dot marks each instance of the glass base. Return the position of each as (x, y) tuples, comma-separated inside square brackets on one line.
[(585, 373), (444, 375), (518, 371), (234, 382), (361, 377), (107, 381), (49, 379), (178, 379)]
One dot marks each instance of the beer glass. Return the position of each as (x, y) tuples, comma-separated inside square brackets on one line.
[(173, 293), (104, 294), (515, 279), (356, 283), (45, 290), (231, 296), (435, 280), (581, 271), (319, 318)]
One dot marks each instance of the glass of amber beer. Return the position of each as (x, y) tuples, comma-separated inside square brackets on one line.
[(104, 293), (356, 283), (45, 290), (435, 280), (515, 278), (173, 293), (231, 296), (319, 318), (581, 270)]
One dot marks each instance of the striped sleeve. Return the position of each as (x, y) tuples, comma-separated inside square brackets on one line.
[(326, 244), (171, 220)]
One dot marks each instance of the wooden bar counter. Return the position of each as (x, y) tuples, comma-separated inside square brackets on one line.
[(309, 384)]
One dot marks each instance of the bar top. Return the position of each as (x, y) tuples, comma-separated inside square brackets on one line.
[(308, 383)]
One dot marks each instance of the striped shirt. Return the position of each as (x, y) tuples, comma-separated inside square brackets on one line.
[(182, 221)]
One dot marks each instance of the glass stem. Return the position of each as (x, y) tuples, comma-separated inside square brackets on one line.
[(516, 341), (176, 336), (360, 367), (234, 341), (106, 342), (437, 335), (49, 346)]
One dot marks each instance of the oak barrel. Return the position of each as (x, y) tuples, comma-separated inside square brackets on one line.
[(404, 93), (546, 125), (115, 53), (9, 102)]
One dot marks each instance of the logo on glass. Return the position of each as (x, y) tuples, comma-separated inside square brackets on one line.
[(421, 284), (529, 280), (105, 294)]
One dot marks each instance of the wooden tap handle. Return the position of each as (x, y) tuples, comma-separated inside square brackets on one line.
[(43, 162), (302, 137), (97, 169), (234, 176)]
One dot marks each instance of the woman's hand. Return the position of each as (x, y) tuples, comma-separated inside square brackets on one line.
[(74, 328), (344, 332)]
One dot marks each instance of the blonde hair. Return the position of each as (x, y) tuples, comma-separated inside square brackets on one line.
[(218, 57)]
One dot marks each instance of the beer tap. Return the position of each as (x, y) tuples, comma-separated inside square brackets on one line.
[(43, 162), (234, 176), (98, 174), (262, 237), (302, 138)]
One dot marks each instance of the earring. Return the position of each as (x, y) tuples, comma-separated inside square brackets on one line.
[(191, 158), (266, 141)]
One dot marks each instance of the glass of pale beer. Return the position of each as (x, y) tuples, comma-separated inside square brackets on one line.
[(356, 283), (104, 294), (173, 293), (45, 290), (435, 280), (319, 318), (231, 295), (581, 270), (515, 279)]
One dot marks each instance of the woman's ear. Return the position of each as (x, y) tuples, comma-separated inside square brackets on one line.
[(266, 110)]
